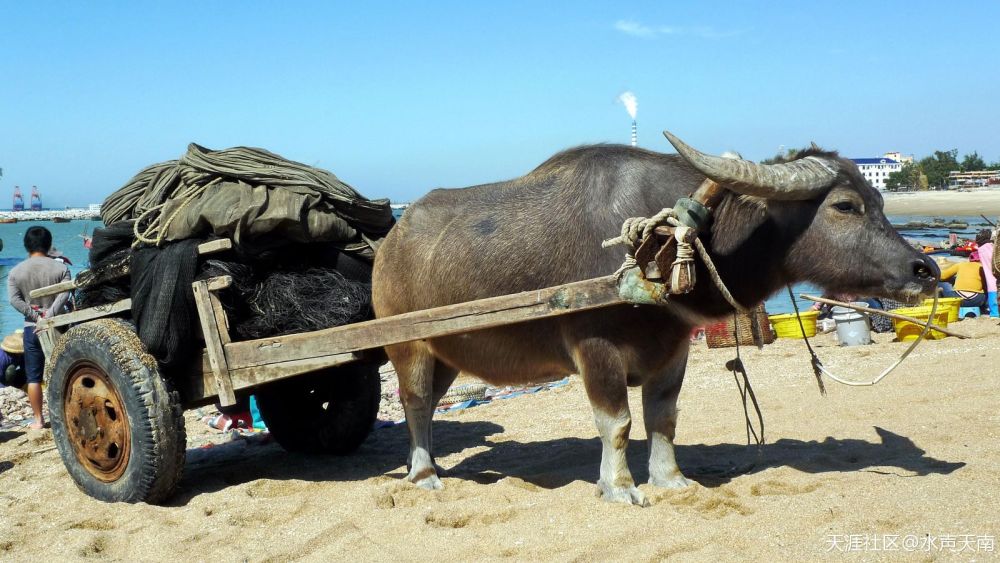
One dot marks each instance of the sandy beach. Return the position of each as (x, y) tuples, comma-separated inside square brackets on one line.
[(944, 203), (915, 456)]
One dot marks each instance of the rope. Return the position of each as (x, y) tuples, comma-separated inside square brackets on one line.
[(746, 390), (186, 196), (716, 278), (819, 369), (636, 229)]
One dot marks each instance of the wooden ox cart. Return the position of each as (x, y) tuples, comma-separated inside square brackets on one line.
[(118, 422)]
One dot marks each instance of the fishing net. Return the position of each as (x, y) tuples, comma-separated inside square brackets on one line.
[(303, 245), (163, 306), (288, 301), (255, 197), (107, 281)]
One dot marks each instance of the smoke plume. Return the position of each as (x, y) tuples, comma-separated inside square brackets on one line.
[(630, 102)]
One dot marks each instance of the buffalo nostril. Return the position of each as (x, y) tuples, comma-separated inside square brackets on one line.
[(925, 269)]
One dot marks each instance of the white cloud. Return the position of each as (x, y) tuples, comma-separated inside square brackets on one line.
[(636, 29), (630, 27)]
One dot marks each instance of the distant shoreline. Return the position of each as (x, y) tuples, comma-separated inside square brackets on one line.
[(73, 214), (944, 203), (929, 204)]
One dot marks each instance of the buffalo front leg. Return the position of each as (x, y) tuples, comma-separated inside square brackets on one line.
[(421, 378), (604, 377), (659, 409)]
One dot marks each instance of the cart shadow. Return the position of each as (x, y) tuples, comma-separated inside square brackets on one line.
[(7, 435), (549, 463), (240, 461)]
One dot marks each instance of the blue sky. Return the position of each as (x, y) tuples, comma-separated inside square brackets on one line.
[(397, 99)]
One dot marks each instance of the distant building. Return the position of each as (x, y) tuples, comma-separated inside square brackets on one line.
[(94, 208), (973, 178), (877, 170), (899, 157)]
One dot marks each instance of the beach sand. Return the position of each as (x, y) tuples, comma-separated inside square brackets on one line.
[(944, 203), (916, 455)]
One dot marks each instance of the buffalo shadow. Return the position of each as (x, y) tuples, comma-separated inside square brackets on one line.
[(547, 463), (555, 463)]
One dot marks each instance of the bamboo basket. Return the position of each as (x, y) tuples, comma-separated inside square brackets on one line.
[(723, 334)]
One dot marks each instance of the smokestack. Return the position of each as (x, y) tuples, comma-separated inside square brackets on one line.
[(631, 104)]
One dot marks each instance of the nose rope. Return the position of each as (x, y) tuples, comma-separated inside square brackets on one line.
[(820, 370)]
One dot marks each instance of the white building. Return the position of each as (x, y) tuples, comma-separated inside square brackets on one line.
[(877, 170), (899, 157)]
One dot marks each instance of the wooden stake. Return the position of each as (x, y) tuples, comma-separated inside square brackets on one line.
[(879, 312)]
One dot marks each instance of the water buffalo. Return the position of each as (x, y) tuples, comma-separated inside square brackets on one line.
[(813, 219)]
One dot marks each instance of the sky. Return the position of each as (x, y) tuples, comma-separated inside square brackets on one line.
[(400, 98)]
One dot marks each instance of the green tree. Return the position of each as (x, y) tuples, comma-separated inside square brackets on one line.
[(938, 166), (973, 162), (910, 176), (779, 158)]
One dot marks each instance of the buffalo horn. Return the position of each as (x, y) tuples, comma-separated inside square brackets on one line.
[(799, 179)]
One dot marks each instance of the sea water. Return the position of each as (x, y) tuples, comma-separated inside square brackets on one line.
[(66, 237)]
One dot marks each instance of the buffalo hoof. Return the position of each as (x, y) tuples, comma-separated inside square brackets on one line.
[(624, 495), (430, 482), (677, 481)]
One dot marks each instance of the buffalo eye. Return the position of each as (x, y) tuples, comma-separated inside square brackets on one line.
[(845, 206)]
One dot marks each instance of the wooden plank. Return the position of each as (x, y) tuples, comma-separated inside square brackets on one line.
[(214, 346), (214, 246), (47, 340), (54, 289), (882, 312), (221, 282), (221, 319), (86, 314), (429, 323), (203, 388)]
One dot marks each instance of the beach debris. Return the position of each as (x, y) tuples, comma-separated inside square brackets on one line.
[(15, 410)]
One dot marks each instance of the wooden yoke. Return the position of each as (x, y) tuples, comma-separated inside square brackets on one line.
[(668, 256)]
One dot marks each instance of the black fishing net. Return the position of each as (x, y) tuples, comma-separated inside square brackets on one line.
[(106, 281), (163, 305), (274, 302), (298, 289)]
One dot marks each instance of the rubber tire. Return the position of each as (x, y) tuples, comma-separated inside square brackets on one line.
[(155, 414), (294, 413)]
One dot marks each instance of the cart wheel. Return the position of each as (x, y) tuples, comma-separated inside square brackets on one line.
[(118, 426), (329, 411)]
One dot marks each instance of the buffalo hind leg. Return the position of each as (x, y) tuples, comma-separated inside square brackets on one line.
[(659, 409), (603, 372), (422, 381)]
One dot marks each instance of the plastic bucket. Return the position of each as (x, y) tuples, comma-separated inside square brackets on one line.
[(950, 304), (787, 325), (907, 331), (852, 326)]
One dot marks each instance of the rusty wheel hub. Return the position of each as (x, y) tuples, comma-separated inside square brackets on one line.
[(97, 423)]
